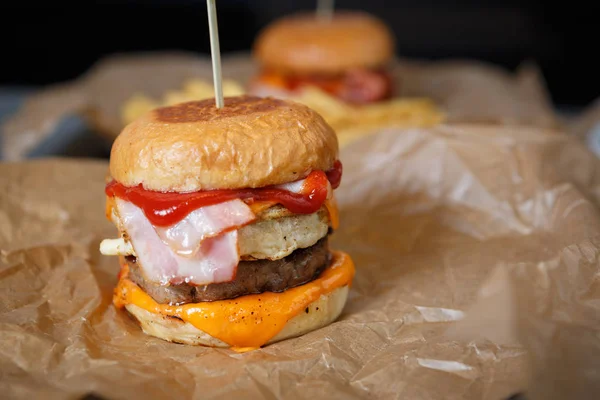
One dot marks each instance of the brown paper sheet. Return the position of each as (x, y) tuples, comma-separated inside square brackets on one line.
[(477, 255), (467, 91), (472, 91), (582, 125)]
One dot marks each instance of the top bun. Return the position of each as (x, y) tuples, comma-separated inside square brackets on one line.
[(303, 43), (250, 142)]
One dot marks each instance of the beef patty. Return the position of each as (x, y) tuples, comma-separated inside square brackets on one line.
[(252, 277)]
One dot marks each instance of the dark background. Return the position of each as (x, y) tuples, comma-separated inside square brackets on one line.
[(47, 42)]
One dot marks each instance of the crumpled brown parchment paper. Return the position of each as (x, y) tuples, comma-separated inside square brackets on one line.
[(582, 124), (477, 254), (465, 91)]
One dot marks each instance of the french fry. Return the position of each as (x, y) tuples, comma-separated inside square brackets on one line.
[(353, 122), (192, 89), (349, 121), (136, 106)]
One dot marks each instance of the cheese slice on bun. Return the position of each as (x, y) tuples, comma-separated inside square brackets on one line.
[(223, 218)]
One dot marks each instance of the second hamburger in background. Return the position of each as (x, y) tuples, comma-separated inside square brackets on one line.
[(346, 56)]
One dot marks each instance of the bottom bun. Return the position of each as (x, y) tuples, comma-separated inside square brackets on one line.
[(320, 313)]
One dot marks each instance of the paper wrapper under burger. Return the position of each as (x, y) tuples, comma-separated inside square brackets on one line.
[(465, 91), (477, 92), (477, 277)]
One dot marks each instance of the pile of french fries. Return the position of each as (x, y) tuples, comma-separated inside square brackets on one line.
[(350, 122)]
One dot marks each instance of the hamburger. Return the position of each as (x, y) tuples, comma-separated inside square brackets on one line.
[(223, 218), (347, 56)]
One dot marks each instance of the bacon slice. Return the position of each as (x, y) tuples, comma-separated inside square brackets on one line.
[(355, 86), (186, 236), (362, 86), (215, 260)]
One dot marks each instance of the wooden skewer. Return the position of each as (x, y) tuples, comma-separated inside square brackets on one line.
[(325, 9), (215, 51)]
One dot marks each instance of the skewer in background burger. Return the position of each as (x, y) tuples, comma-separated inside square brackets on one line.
[(224, 217), (346, 56)]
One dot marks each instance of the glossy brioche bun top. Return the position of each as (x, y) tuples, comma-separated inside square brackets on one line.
[(303, 43), (250, 142)]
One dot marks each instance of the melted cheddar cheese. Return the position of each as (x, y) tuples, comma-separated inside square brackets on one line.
[(246, 322), (259, 206), (273, 79), (110, 205), (334, 214)]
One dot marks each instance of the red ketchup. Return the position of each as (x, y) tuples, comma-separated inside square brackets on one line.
[(164, 209)]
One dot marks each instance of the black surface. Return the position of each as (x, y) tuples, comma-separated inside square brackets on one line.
[(45, 42)]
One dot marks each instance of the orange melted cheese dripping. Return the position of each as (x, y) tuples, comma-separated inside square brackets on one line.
[(259, 206), (247, 322), (110, 205), (334, 214)]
